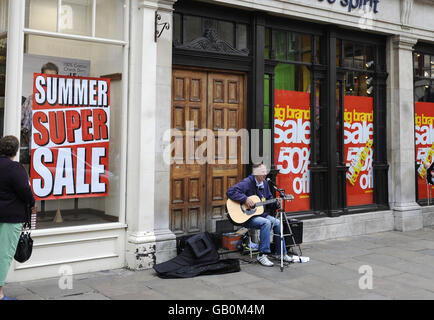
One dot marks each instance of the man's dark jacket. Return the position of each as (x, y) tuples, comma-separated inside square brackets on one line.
[(246, 188), (15, 192)]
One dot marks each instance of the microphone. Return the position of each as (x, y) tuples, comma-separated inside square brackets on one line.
[(284, 196), (270, 181), (272, 184)]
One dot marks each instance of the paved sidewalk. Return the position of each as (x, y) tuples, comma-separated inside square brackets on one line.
[(402, 265)]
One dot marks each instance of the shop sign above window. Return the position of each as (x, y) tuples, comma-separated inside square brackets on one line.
[(357, 4)]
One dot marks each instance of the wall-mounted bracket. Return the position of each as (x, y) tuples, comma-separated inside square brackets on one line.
[(165, 25)]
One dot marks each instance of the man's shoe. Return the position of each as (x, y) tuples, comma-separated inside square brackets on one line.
[(286, 258), (263, 259), (8, 298)]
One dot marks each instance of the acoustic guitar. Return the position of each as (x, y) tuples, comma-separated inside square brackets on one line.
[(239, 213)]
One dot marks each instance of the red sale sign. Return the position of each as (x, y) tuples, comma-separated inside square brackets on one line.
[(358, 152), (424, 143), (70, 137), (292, 145)]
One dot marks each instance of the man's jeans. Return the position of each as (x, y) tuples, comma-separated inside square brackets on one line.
[(264, 224)]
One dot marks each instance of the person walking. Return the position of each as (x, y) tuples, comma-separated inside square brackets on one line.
[(16, 199)]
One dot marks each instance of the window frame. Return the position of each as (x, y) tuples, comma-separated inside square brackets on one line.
[(18, 69), (424, 49)]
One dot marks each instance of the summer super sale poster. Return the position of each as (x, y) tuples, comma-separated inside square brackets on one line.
[(358, 151), (424, 143), (292, 145), (70, 136)]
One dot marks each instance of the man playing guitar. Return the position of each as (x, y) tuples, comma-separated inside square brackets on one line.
[(256, 184)]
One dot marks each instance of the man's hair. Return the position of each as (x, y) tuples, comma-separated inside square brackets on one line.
[(49, 66), (257, 170), (256, 165), (9, 146)]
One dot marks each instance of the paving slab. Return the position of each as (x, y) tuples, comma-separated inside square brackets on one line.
[(84, 296), (146, 295), (379, 259), (290, 271), (421, 269), (425, 259), (29, 296), (115, 286), (415, 245), (426, 251), (396, 290), (50, 289), (329, 289), (325, 256), (268, 290), (414, 280), (229, 279), (408, 255), (190, 288), (348, 251), (332, 272), (377, 271)]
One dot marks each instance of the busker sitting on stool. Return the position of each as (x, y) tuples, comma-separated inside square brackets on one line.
[(255, 184)]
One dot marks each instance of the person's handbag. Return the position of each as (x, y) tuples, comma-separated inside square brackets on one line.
[(25, 243)]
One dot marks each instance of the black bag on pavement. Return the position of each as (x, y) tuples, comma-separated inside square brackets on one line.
[(199, 257), (25, 243)]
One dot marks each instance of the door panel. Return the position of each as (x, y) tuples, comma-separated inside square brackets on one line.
[(198, 190), (225, 111), (187, 179)]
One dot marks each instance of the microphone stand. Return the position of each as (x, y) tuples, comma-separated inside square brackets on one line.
[(282, 212)]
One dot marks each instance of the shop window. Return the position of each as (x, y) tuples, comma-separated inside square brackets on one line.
[(41, 15), (320, 105), (267, 49), (241, 32), (355, 95), (177, 29), (291, 46), (78, 17), (267, 102), (192, 28), (3, 41), (292, 96), (338, 52), (423, 64), (206, 34), (279, 45), (291, 88), (317, 55), (113, 11), (303, 69), (74, 152), (2, 82), (348, 54)]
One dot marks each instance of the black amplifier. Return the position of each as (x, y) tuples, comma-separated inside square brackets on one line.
[(297, 231)]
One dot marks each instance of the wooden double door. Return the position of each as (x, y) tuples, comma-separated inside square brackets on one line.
[(208, 111)]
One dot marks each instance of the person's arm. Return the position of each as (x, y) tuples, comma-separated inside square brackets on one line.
[(238, 192), (21, 185)]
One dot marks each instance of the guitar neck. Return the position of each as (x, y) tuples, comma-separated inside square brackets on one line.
[(264, 203)]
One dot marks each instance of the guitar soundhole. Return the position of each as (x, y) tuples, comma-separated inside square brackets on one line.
[(247, 211)]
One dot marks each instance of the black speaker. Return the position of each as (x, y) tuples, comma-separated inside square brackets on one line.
[(297, 231)]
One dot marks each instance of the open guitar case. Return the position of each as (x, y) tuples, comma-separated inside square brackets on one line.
[(199, 257)]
